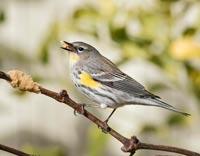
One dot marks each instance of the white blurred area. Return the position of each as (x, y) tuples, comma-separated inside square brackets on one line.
[(25, 27)]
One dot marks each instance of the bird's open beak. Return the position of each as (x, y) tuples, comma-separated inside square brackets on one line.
[(67, 46)]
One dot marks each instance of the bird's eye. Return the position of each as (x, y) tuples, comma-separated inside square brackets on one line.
[(80, 49)]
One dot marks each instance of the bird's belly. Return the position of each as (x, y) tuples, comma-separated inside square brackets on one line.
[(103, 95)]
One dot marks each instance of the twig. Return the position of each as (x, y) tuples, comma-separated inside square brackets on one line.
[(129, 145), (13, 151), (5, 76)]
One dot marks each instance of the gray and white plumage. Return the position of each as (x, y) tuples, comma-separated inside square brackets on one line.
[(118, 89)]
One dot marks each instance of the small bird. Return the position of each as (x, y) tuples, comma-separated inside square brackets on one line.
[(100, 80)]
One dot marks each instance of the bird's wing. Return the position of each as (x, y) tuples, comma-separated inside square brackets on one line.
[(124, 83), (111, 76)]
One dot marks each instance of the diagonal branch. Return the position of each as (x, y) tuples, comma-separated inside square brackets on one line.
[(13, 151), (129, 144)]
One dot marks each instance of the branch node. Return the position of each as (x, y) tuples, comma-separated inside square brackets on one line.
[(131, 145), (23, 81), (63, 95)]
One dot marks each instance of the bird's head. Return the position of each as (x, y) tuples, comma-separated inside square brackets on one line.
[(78, 50)]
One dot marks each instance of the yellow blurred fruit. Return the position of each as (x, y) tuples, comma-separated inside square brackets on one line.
[(185, 49)]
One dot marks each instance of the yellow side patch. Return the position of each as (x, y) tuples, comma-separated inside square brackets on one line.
[(87, 80), (73, 57)]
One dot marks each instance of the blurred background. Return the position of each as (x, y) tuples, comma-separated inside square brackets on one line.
[(157, 42)]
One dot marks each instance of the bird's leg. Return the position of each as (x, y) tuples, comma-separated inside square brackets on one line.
[(106, 128), (82, 109), (106, 121)]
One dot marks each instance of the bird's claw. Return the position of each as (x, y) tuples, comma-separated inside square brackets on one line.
[(80, 109), (105, 127)]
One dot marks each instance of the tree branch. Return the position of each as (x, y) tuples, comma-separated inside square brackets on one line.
[(130, 145), (13, 151)]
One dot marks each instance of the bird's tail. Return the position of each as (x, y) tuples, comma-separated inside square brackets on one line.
[(159, 103)]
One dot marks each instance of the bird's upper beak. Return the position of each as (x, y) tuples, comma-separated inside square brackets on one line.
[(67, 46)]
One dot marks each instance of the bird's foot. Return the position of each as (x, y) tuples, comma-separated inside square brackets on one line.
[(80, 109), (105, 127)]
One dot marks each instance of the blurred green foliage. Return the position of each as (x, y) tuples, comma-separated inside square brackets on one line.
[(154, 38), (154, 33), (48, 151), (51, 37), (176, 120), (97, 142), (2, 16), (147, 128)]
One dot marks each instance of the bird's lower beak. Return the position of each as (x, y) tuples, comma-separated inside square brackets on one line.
[(67, 46)]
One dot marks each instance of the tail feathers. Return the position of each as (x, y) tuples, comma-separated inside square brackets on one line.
[(158, 103)]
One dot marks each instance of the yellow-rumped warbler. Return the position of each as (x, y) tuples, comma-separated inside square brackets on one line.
[(101, 80)]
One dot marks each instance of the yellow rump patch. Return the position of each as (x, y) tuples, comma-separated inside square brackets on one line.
[(87, 80), (73, 57)]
